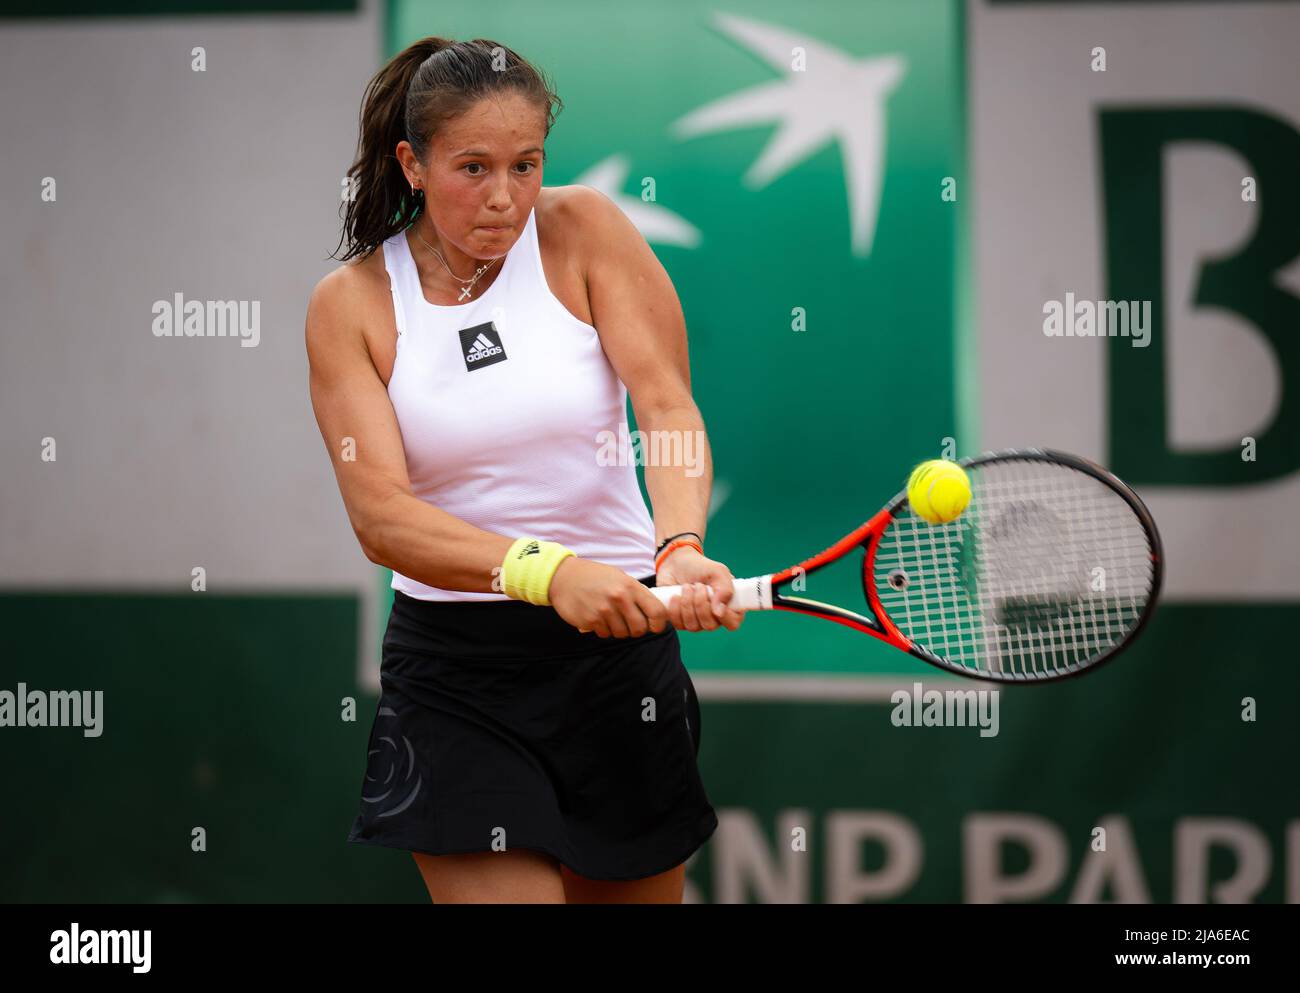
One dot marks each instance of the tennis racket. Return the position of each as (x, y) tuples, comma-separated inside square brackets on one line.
[(1052, 569)]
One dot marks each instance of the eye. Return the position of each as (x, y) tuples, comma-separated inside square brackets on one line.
[(529, 167)]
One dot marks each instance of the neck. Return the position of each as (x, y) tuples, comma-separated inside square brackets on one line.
[(464, 266)]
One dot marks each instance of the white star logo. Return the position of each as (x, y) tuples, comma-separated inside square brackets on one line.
[(837, 97), (656, 224)]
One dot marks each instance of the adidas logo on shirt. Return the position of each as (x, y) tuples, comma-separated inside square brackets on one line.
[(482, 349), (481, 346)]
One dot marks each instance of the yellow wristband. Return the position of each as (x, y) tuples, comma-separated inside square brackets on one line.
[(529, 567)]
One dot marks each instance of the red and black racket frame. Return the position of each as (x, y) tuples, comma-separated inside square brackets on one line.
[(879, 625)]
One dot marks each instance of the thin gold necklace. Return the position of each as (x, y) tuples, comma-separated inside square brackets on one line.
[(478, 274)]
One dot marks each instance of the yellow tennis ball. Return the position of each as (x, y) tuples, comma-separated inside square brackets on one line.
[(938, 491)]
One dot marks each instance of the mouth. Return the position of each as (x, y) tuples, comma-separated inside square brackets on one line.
[(496, 229)]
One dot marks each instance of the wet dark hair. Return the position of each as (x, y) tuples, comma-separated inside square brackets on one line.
[(422, 87)]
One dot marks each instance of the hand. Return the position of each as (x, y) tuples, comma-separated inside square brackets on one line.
[(702, 607), (596, 597)]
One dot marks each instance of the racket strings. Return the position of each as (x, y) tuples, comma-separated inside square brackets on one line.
[(1047, 570)]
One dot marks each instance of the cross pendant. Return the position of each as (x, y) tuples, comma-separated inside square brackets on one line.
[(464, 293)]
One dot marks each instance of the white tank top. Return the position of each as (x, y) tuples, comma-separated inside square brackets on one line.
[(504, 403)]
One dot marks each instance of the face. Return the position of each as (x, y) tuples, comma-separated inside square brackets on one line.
[(484, 171)]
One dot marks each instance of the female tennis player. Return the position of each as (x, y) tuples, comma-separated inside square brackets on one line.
[(537, 734)]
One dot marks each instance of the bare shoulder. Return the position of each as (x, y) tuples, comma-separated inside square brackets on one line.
[(357, 278), (341, 299), (586, 223), (577, 208)]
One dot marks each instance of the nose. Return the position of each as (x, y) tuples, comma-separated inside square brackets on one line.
[(499, 197)]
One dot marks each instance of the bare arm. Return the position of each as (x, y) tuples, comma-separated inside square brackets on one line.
[(643, 333), (395, 528)]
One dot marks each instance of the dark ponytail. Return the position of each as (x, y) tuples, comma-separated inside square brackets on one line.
[(430, 82)]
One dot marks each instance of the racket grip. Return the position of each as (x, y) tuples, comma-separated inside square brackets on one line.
[(754, 593)]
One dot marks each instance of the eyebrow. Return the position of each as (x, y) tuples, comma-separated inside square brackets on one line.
[(484, 154)]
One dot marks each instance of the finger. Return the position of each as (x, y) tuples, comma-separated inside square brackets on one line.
[(731, 618), (657, 620), (704, 608), (617, 626), (676, 615), (636, 622), (726, 590), (716, 605), (697, 607), (686, 607), (655, 613)]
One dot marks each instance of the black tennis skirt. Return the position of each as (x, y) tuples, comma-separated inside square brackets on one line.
[(500, 726)]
